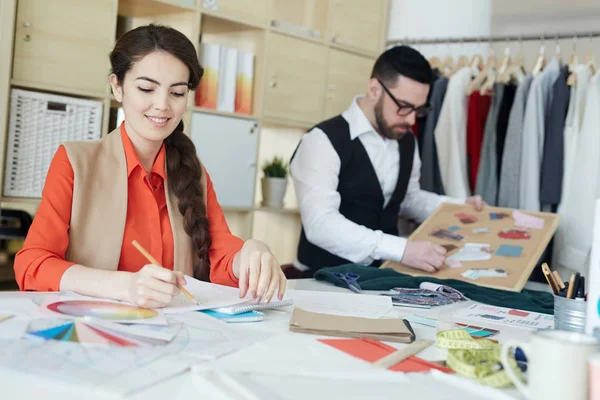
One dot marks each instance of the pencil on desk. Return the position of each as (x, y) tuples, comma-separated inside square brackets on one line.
[(153, 261), (571, 286)]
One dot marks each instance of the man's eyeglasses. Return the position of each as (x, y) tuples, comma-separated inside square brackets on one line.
[(404, 108)]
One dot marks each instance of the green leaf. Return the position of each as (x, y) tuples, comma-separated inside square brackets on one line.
[(275, 168)]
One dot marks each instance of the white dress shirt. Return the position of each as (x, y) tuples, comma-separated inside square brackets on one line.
[(451, 135), (574, 238), (315, 170)]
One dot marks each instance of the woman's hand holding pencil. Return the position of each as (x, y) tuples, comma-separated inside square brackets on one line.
[(154, 286)]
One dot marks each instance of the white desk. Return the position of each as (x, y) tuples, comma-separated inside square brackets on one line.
[(189, 385)]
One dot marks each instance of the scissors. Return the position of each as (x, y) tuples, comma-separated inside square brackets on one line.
[(351, 280)]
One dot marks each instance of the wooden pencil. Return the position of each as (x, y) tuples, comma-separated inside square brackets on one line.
[(153, 260), (558, 279), (571, 286), (550, 278)]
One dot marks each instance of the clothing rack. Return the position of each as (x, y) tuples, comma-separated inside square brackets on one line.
[(497, 38)]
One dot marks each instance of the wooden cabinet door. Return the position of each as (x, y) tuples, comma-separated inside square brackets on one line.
[(295, 79), (348, 77), (357, 23), (64, 43), (227, 148), (252, 11)]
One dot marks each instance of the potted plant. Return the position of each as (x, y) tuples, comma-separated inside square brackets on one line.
[(274, 183)]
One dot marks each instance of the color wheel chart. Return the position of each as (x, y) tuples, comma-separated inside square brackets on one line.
[(85, 332), (101, 309)]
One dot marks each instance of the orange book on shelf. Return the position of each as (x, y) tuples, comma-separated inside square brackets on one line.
[(208, 90), (244, 83)]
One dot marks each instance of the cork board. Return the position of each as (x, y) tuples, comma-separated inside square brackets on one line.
[(518, 268)]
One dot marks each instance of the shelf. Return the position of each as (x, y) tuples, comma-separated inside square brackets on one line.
[(149, 8), (354, 50), (292, 211), (223, 113), (238, 21), (238, 209), (58, 89), (276, 122), (297, 35), (17, 203)]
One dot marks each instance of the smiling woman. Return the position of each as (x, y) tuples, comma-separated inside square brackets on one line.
[(142, 182)]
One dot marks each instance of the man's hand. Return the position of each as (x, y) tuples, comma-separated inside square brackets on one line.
[(477, 202), (427, 256)]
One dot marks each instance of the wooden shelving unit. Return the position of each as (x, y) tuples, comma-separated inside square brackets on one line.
[(309, 63)]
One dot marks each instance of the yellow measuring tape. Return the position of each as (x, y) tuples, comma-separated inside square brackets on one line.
[(475, 359)]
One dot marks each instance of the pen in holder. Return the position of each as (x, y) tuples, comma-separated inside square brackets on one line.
[(569, 314)]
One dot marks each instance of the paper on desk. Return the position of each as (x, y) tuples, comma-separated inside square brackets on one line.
[(301, 355), (208, 295), (13, 328), (344, 304), (22, 307), (506, 317), (253, 385)]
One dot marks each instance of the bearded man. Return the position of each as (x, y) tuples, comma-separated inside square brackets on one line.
[(357, 173)]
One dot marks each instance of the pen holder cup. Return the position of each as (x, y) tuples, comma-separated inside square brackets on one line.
[(569, 314)]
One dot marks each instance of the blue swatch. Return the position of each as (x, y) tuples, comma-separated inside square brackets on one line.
[(52, 332), (509, 250), (495, 216), (453, 228)]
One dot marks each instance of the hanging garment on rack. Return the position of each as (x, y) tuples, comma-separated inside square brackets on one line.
[(477, 111), (554, 147), (538, 102), (574, 238), (508, 190), (451, 135), (430, 169), (508, 98), (573, 124), (487, 178), (419, 127)]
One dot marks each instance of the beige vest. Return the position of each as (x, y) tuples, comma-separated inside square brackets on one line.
[(99, 208)]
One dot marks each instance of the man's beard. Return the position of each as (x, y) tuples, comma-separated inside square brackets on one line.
[(384, 129)]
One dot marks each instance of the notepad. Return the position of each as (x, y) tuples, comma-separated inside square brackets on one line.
[(252, 305), (250, 316), (386, 329)]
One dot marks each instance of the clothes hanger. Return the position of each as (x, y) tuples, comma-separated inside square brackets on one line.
[(476, 60), (505, 63), (590, 58), (435, 62), (448, 63), (573, 62), (462, 61), (540, 63), (557, 53), (490, 64)]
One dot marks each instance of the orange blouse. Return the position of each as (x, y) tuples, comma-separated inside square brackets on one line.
[(40, 264)]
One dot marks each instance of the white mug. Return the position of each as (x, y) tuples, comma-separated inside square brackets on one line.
[(557, 365), (595, 377)]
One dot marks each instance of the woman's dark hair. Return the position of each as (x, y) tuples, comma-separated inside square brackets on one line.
[(183, 167)]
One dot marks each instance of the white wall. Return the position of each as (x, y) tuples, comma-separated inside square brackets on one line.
[(515, 17), (458, 18), (441, 18)]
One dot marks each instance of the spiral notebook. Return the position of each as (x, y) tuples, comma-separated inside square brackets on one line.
[(252, 305), (250, 316)]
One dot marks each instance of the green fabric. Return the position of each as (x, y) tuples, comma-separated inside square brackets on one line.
[(385, 279)]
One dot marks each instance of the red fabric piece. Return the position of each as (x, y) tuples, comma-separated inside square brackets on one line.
[(477, 112), (372, 350)]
